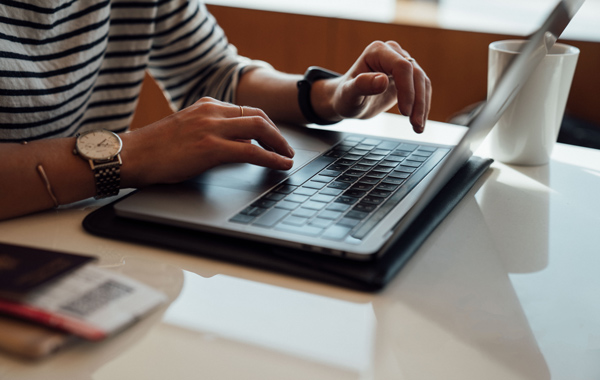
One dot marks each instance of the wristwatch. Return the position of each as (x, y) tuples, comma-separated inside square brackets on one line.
[(102, 149), (312, 75)]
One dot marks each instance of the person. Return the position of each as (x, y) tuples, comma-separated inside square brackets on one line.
[(73, 66)]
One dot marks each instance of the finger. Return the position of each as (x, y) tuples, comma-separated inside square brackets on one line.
[(383, 57), (239, 152), (245, 111), (358, 89), (255, 128), (422, 102)]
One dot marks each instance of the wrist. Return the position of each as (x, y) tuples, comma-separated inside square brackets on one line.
[(321, 98), (315, 94)]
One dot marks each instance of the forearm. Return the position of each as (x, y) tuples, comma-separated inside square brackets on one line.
[(23, 189), (276, 93)]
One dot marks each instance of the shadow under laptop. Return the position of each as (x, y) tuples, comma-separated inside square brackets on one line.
[(454, 303)]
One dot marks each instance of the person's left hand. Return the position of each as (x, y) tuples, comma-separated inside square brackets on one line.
[(383, 75)]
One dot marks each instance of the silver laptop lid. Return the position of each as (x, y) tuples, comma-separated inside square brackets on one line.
[(513, 79)]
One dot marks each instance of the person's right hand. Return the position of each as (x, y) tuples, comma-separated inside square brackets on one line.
[(202, 136)]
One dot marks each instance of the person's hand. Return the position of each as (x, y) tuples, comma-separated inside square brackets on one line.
[(202, 136), (383, 75)]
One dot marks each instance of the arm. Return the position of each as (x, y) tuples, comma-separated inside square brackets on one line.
[(382, 76), (183, 145)]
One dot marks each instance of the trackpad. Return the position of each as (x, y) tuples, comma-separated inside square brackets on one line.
[(251, 177)]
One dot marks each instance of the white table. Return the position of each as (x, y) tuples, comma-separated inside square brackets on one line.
[(506, 288)]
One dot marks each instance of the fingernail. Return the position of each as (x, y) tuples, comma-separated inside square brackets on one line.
[(291, 151), (379, 80)]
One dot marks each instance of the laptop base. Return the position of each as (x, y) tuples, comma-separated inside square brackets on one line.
[(366, 276)]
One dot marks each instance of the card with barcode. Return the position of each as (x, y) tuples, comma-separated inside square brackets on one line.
[(91, 303)]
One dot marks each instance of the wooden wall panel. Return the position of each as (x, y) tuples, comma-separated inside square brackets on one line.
[(456, 61)]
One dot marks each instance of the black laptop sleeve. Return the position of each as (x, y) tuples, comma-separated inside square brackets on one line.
[(367, 276)]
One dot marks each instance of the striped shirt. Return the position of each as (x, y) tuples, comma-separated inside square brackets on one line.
[(68, 66)]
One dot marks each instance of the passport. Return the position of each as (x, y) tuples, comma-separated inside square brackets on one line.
[(25, 269)]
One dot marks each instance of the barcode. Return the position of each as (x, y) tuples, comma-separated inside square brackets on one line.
[(96, 298)]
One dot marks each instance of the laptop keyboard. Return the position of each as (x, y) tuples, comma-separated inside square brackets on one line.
[(346, 191)]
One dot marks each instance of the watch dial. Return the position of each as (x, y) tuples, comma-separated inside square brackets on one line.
[(99, 145)]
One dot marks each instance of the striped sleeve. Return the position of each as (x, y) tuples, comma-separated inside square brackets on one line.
[(51, 57), (68, 66), (192, 58)]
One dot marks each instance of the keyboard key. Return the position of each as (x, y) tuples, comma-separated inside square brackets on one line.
[(314, 185), (296, 198), (339, 185), (352, 157), (372, 200), (264, 203), (393, 181), (322, 198), (355, 214), (362, 167), (376, 175), (307, 230), (368, 181), (413, 164), (285, 189), (386, 187), (321, 223), (388, 163), (314, 205), (406, 169), (286, 205), (347, 178), (295, 220), (345, 162), (330, 173), (322, 178), (355, 173), (362, 186), (394, 158), (399, 175), (368, 162), (381, 152), (305, 191), (330, 191), (352, 192), (346, 200), (380, 193), (241, 218), (275, 196), (374, 157), (388, 145), (371, 142), (338, 207), (407, 147), (328, 214), (335, 153), (348, 222), (415, 157), (253, 211), (337, 168), (336, 232), (271, 217), (304, 212), (366, 207)]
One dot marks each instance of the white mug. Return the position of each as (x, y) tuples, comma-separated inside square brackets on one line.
[(527, 131)]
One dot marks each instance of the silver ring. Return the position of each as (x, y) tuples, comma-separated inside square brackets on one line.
[(410, 59)]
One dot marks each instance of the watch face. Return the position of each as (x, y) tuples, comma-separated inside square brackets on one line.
[(99, 145)]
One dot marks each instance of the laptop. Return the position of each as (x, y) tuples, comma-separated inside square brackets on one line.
[(347, 195)]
